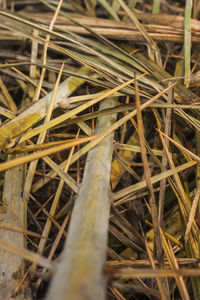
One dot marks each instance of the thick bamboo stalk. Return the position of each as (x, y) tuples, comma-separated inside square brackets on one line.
[(80, 273)]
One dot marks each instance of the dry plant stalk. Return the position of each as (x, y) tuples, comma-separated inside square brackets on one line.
[(152, 201), (80, 272), (12, 212), (39, 109)]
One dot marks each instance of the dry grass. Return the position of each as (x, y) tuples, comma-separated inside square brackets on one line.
[(100, 151)]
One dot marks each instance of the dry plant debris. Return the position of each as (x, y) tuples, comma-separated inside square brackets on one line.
[(100, 149)]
